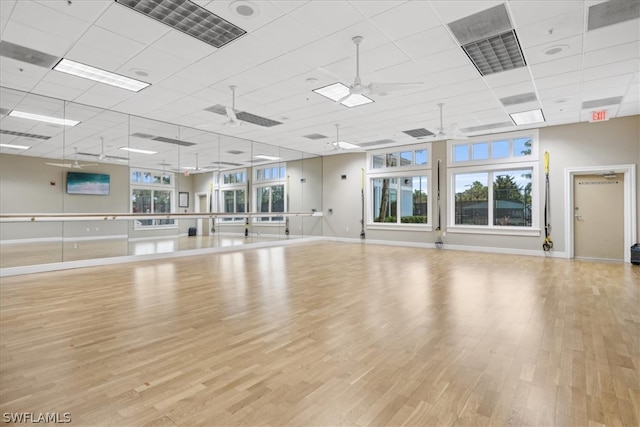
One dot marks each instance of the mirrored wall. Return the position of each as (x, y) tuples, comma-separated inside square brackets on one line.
[(70, 173)]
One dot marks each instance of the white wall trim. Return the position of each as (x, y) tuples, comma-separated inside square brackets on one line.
[(33, 240), (630, 213)]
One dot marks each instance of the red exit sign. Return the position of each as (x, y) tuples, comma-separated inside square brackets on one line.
[(599, 116)]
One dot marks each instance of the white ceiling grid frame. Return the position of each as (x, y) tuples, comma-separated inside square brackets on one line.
[(34, 38), (131, 24), (324, 20), (48, 20)]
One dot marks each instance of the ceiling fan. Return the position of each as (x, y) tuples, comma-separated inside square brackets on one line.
[(359, 88), (338, 145), (231, 112), (75, 164), (451, 132)]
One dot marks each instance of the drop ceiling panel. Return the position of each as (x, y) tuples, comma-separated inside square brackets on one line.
[(267, 12), (427, 43), (450, 11), (35, 39), (183, 46), (442, 61), (157, 64), (258, 49), (558, 66), (322, 52), (131, 24), (558, 80), (57, 91), (12, 75), (405, 20), (510, 77), (279, 33), (104, 96), (87, 11), (373, 37), (89, 55), (48, 20), (456, 75), (566, 90), (325, 20), (553, 51), (374, 7), (282, 67), (613, 69), (616, 53), (553, 30), (111, 43), (528, 12), (610, 36)]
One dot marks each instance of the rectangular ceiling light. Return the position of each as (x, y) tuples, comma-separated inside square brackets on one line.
[(338, 91), (345, 145), (15, 147), (45, 119), (138, 150), (527, 117), (265, 157), (98, 75), (190, 18)]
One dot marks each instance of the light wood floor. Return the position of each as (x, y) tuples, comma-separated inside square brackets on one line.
[(326, 334)]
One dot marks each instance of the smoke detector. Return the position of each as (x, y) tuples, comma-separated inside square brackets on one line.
[(244, 9)]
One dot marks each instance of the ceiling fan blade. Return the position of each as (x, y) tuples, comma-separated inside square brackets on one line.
[(344, 98), (379, 88), (233, 119), (60, 165)]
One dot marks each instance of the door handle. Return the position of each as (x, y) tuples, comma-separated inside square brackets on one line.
[(579, 218)]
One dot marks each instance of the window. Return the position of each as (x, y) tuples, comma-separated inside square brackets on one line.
[(494, 185), (398, 186), (400, 200), (233, 193), (152, 193), (270, 192)]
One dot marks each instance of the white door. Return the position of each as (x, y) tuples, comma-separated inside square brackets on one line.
[(599, 217), (201, 224)]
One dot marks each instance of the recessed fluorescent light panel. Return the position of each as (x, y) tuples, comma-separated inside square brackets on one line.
[(98, 75), (337, 91), (527, 117), (345, 145), (188, 17), (45, 119), (138, 150), (265, 157), (15, 147)]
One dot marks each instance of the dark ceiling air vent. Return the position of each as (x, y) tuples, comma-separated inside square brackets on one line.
[(142, 135), (315, 136), (595, 103), (4, 111), (235, 152), (522, 98), (23, 134), (489, 40), (24, 54), (418, 133), (173, 141), (226, 164), (378, 142), (612, 12), (244, 116), (487, 127), (190, 18)]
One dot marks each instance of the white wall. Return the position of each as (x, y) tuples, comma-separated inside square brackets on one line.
[(613, 142)]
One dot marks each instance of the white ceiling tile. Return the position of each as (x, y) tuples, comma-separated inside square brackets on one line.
[(450, 11), (441, 61), (104, 96), (562, 91), (558, 66), (456, 75), (175, 83), (48, 20), (103, 41), (558, 80), (35, 39), (527, 12), (57, 91), (157, 64), (283, 67), (509, 77), (280, 31), (406, 19), (180, 45), (265, 13), (131, 24), (17, 72), (256, 49), (373, 7), (90, 56), (607, 82), (514, 89), (616, 53), (427, 43), (606, 37), (327, 20), (322, 52), (552, 31), (567, 47), (87, 11), (604, 93), (372, 36), (613, 69)]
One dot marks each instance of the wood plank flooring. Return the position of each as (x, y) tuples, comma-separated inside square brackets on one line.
[(326, 334)]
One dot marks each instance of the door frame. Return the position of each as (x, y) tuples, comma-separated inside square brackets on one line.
[(629, 172), (201, 229)]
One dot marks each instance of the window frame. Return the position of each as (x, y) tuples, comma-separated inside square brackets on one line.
[(153, 187), (235, 187), (399, 172), (261, 183), (490, 166)]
